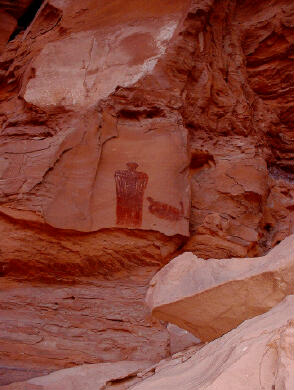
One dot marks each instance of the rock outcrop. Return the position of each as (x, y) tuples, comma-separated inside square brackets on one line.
[(257, 354), (132, 131), (210, 297), (237, 109), (74, 163), (97, 138)]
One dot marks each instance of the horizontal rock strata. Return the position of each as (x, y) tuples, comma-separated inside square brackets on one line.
[(46, 327), (258, 353)]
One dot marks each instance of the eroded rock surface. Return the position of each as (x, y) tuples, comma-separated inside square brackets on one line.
[(77, 154), (46, 327), (31, 251), (209, 298), (237, 108)]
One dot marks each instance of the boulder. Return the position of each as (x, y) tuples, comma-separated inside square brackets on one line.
[(209, 298), (256, 355)]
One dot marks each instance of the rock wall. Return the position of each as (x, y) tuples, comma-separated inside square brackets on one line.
[(48, 326), (234, 107), (258, 353), (134, 130), (159, 104)]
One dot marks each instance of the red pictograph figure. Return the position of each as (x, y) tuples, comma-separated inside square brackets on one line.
[(130, 187)]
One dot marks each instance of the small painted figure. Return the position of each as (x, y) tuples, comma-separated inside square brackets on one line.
[(130, 187), (165, 211)]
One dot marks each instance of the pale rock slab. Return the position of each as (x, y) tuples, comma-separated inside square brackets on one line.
[(209, 298), (65, 76), (258, 354)]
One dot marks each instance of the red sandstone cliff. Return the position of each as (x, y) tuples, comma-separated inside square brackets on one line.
[(132, 131)]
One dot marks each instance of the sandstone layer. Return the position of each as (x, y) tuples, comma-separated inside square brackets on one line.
[(211, 297), (257, 354), (46, 327)]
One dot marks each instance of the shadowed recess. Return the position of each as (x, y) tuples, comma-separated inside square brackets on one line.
[(26, 19)]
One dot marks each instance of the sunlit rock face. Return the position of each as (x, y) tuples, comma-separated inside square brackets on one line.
[(105, 59)]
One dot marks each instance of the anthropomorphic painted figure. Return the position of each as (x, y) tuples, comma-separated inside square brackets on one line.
[(130, 188)]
